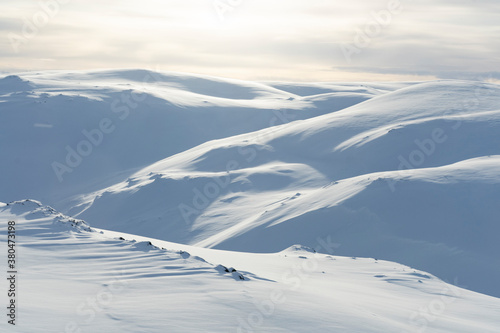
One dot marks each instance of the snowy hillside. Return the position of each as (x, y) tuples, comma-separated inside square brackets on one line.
[(407, 172), (68, 133), (74, 278), (410, 175)]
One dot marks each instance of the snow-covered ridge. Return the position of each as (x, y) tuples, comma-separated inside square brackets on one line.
[(403, 176), (401, 171), (119, 282), (38, 217), (57, 126)]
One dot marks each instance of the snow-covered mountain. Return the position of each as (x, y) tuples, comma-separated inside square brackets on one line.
[(77, 279), (407, 172), (72, 133)]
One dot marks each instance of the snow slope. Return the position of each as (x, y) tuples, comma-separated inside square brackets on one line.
[(130, 119), (74, 278), (406, 172), (410, 176)]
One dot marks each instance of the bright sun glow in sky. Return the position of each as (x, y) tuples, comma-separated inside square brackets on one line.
[(312, 40)]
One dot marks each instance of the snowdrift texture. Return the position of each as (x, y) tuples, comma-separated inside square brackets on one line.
[(407, 172), (77, 279)]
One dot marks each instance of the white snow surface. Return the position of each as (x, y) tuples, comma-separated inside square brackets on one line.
[(405, 171), (151, 116), (76, 279)]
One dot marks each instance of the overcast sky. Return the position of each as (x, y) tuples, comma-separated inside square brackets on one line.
[(312, 40)]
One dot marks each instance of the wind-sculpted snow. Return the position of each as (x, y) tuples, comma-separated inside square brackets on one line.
[(70, 133), (406, 172), (384, 178), (73, 278)]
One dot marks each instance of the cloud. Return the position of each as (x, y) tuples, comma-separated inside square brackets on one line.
[(257, 39)]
